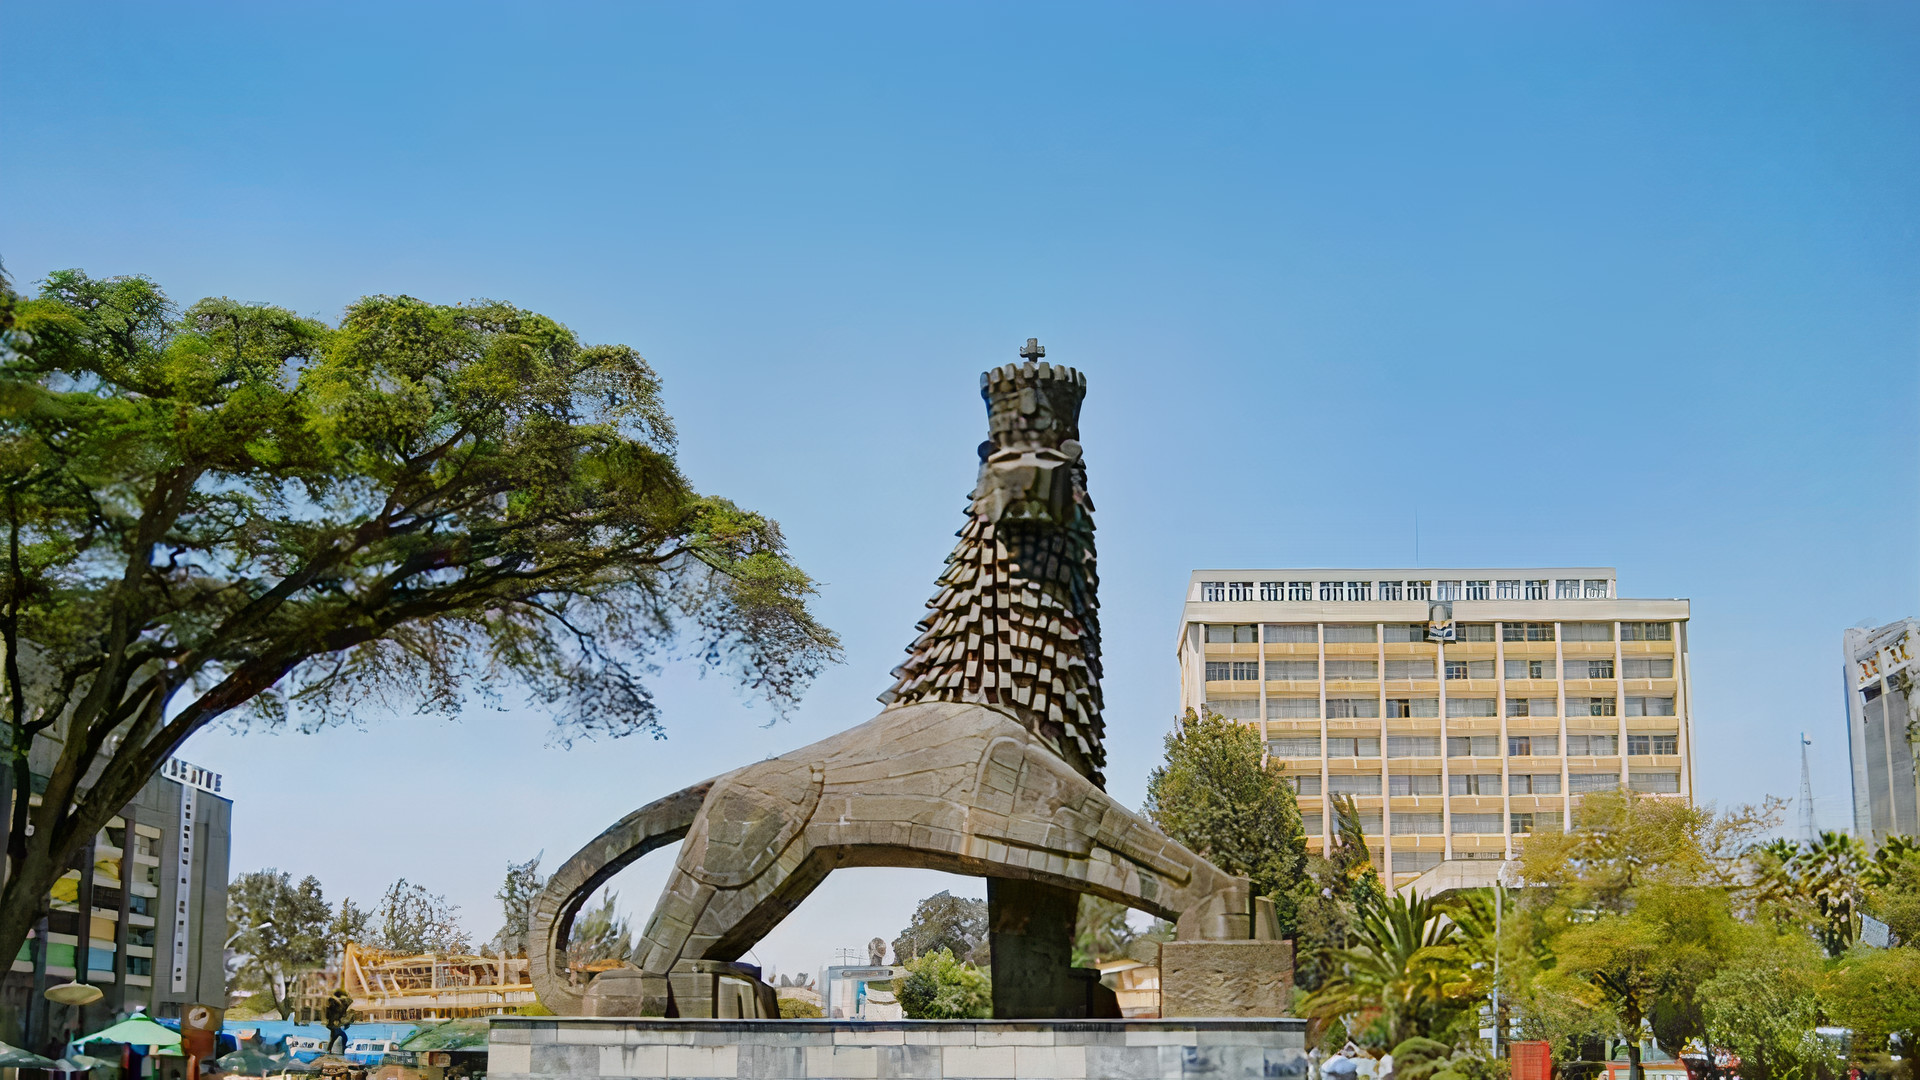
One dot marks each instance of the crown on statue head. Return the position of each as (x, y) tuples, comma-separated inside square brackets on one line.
[(1033, 402)]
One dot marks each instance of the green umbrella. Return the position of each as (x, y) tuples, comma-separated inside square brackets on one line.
[(12, 1057), (249, 1060), (135, 1030)]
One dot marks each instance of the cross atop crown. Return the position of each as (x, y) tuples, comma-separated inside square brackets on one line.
[(1032, 350)]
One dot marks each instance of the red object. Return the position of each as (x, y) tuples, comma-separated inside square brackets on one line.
[(1531, 1060)]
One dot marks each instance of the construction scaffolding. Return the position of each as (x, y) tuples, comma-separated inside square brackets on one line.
[(393, 987)]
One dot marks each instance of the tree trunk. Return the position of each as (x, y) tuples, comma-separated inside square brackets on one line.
[(24, 899), (1633, 1060)]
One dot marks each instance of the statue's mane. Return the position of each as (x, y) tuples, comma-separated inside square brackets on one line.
[(1015, 624)]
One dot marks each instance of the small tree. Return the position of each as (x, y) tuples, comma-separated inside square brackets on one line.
[(1214, 795), (1763, 1004), (1406, 970), (945, 921), (517, 894), (279, 929), (1102, 931), (938, 987), (411, 920), (600, 933)]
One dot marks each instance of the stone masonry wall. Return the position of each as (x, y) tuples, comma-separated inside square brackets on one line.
[(543, 1048)]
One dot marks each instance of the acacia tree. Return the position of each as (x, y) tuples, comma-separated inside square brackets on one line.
[(957, 924), (411, 920), (234, 511)]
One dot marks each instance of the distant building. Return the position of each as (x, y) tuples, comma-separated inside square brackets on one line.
[(1461, 710), (1880, 728), (142, 915), (433, 986)]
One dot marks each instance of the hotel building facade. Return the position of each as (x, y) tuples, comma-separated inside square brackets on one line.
[(1551, 686)]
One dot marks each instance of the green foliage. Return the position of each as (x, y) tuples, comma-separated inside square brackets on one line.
[(1815, 885), (410, 920), (938, 987), (350, 923), (1101, 931), (793, 1008), (1406, 969), (237, 512), (1875, 993), (600, 933), (945, 921), (1214, 795), (279, 929), (1418, 1057), (518, 891), (1328, 899), (1764, 1003)]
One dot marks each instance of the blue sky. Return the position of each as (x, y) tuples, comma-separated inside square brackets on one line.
[(1580, 284)]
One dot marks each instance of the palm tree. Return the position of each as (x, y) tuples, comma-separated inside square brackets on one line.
[(1406, 966)]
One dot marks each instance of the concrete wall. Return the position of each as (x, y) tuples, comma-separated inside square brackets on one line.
[(541, 1048)]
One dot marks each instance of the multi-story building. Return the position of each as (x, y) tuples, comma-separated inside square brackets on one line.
[(1460, 709), (142, 914), (1881, 726)]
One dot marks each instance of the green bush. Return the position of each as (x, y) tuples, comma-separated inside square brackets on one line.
[(938, 987), (793, 1008)]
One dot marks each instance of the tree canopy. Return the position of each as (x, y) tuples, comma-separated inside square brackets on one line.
[(234, 511), (945, 921), (278, 929)]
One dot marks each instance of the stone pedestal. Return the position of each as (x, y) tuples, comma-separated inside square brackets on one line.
[(1225, 978), (1030, 932), (552, 1048)]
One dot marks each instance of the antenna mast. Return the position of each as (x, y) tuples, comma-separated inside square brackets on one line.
[(1806, 793)]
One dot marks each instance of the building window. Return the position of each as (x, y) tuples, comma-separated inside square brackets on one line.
[(1591, 745), (1479, 590), (1456, 669), (1534, 783), (1403, 746), (1649, 706), (1272, 590), (1643, 745), (1419, 590), (1646, 669), (1240, 590), (1415, 823), (1352, 708), (1292, 633), (1211, 591), (1473, 746), (1479, 669), (1291, 670), (1590, 706), (1350, 634), (1359, 590), (1235, 708), (1586, 631), (1411, 707), (1294, 746), (1413, 784), (1476, 631), (1479, 824), (1586, 783), (1508, 590), (1229, 634), (1354, 784), (1473, 784), (1404, 632), (1446, 590), (1299, 590), (1589, 669), (1331, 590), (1353, 669), (1470, 706), (1390, 590), (1358, 746), (1537, 590), (1218, 670), (140, 905), (1305, 784), (1529, 669), (1520, 823), (1566, 588), (1646, 631), (140, 965), (1538, 821), (1246, 670), (1533, 745), (1533, 631), (1293, 708), (1657, 783), (1596, 588), (1370, 825), (1410, 669)]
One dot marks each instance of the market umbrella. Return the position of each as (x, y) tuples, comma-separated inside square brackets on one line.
[(249, 1060), (68, 1065), (135, 1030), (12, 1057)]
